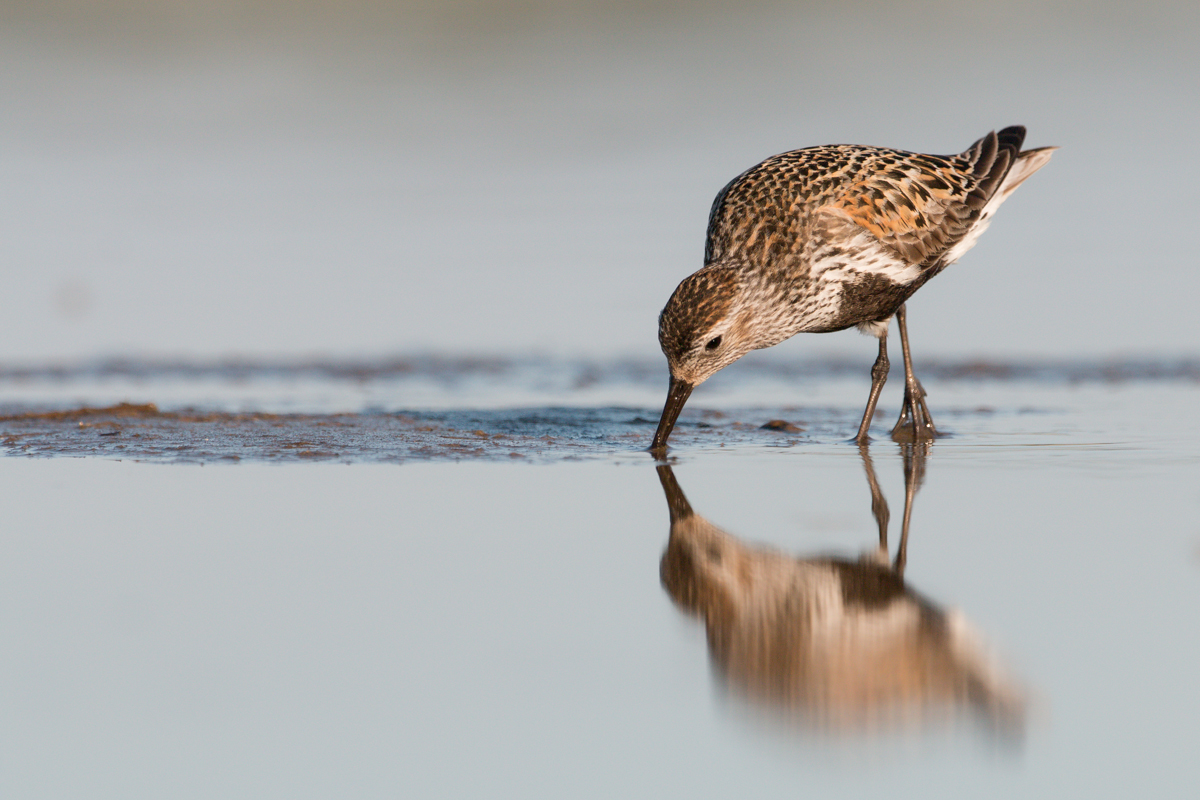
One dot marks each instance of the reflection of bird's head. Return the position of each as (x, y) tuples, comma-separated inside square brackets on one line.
[(691, 566)]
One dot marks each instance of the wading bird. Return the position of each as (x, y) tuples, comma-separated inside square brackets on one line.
[(827, 238)]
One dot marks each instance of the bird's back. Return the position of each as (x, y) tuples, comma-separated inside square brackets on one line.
[(871, 219)]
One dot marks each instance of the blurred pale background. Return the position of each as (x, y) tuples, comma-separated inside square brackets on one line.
[(304, 178)]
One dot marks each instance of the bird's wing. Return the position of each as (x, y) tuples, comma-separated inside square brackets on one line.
[(919, 207)]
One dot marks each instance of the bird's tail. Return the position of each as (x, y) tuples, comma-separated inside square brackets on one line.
[(1001, 166)]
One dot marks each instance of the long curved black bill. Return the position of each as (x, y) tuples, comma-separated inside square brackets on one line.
[(677, 395)]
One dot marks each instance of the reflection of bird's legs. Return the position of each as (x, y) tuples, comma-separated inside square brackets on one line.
[(879, 506), (915, 423), (914, 474), (879, 373)]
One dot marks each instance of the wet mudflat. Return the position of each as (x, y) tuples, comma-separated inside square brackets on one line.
[(245, 597), (144, 432), (404, 410)]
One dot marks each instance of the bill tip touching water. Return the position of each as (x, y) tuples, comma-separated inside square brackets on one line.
[(828, 238)]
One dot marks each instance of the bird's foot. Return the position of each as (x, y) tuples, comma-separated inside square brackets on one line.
[(915, 423)]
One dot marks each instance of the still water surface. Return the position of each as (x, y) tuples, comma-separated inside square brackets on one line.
[(489, 626)]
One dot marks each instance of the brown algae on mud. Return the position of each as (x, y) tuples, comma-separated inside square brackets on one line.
[(144, 432)]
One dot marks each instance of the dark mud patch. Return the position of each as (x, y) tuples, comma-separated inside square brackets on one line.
[(782, 425), (144, 432)]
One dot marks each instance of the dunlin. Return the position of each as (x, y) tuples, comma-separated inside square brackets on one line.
[(827, 238)]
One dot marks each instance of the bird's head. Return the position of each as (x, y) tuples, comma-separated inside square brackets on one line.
[(702, 329)]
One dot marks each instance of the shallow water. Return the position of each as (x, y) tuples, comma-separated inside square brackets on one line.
[(466, 623)]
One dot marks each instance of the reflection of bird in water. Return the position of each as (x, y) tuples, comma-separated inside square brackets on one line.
[(838, 643), (828, 238)]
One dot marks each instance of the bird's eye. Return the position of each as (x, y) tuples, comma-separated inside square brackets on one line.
[(713, 343)]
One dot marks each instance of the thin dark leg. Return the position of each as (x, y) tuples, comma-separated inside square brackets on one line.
[(914, 473), (879, 506), (879, 373), (915, 423)]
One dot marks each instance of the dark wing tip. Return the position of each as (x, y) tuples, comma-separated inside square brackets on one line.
[(982, 155), (1012, 137), (992, 157)]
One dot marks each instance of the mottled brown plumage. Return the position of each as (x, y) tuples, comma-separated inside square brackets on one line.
[(827, 238)]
